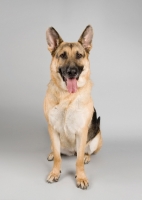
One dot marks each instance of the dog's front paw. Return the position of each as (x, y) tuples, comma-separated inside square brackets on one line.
[(82, 182), (53, 176)]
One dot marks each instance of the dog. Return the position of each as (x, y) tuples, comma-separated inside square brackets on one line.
[(72, 120)]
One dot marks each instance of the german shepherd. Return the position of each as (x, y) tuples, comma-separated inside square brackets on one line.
[(73, 125)]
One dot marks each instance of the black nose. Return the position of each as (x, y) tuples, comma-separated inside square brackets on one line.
[(72, 71)]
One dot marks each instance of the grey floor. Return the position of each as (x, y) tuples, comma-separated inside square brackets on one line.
[(114, 173)]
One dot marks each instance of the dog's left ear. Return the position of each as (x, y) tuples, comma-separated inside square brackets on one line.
[(53, 39), (86, 38)]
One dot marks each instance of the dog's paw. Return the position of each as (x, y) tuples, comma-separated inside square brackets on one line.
[(82, 182), (50, 157), (53, 176), (87, 158)]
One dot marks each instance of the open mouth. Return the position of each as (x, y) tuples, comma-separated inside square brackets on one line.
[(70, 76), (71, 84)]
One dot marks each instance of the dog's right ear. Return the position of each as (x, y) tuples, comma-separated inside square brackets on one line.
[(53, 39)]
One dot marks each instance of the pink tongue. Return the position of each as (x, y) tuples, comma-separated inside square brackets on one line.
[(72, 85)]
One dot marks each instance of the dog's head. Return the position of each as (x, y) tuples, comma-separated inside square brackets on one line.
[(70, 68)]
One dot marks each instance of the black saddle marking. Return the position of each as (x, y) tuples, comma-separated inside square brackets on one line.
[(94, 126)]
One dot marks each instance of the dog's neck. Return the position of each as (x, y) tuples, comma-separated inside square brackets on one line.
[(63, 95)]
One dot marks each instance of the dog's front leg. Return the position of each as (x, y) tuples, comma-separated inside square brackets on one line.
[(55, 140), (81, 179)]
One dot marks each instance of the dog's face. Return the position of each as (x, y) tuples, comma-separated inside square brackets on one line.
[(70, 68)]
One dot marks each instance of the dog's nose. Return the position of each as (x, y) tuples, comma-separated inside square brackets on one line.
[(72, 71)]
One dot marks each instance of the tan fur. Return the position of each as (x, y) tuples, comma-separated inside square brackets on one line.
[(99, 143), (69, 114)]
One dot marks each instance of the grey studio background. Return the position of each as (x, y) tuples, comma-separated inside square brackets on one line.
[(116, 70)]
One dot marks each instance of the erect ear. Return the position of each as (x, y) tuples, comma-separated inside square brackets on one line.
[(53, 39), (86, 38)]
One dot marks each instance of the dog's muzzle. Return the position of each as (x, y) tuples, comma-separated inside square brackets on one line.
[(70, 74)]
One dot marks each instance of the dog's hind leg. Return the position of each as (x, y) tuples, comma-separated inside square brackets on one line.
[(99, 143), (94, 145), (87, 158), (50, 157)]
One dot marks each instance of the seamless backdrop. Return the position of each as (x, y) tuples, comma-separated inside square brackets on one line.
[(116, 70)]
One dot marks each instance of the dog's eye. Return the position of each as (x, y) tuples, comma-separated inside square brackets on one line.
[(78, 55), (63, 55)]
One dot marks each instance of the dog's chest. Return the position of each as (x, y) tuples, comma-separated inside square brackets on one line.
[(68, 119)]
